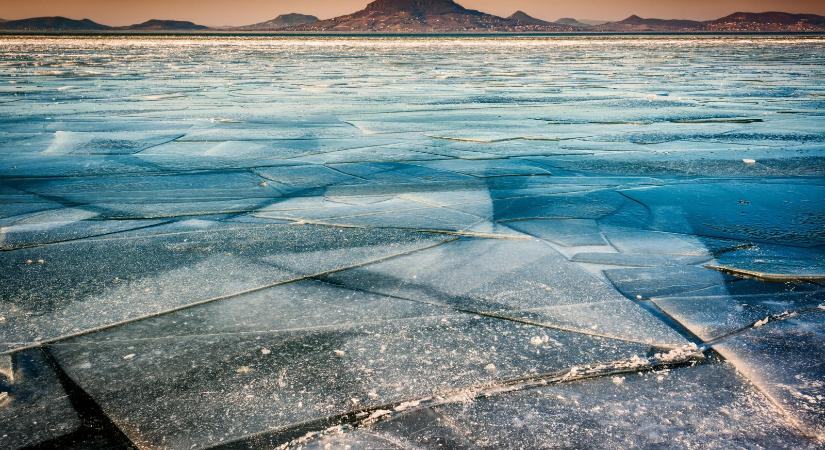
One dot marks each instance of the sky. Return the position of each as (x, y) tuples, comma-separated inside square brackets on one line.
[(244, 12)]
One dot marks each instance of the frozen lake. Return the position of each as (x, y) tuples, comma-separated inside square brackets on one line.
[(518, 242)]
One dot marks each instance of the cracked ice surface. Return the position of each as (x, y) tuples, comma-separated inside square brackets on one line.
[(412, 242)]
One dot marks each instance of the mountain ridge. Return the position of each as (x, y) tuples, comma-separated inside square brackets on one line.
[(56, 23), (771, 17), (427, 16), (635, 23), (771, 21), (443, 16), (280, 22), (159, 24), (526, 19), (60, 23)]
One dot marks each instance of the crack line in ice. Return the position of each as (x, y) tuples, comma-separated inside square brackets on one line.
[(457, 233), (765, 276), (479, 235), (490, 141), (500, 316), (330, 167), (771, 318), (297, 435), (152, 236), (757, 383), (158, 145), (315, 328), (3, 248), (656, 311), (326, 152), (111, 325)]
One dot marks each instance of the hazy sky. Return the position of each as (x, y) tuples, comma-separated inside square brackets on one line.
[(242, 12)]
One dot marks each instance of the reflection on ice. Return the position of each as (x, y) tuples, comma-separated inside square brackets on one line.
[(412, 242)]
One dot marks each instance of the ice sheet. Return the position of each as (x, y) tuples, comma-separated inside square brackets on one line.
[(225, 241)]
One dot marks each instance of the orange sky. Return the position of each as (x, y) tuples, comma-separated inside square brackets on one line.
[(242, 12)]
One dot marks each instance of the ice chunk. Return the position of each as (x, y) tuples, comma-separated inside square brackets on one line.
[(777, 358), (715, 315), (567, 232), (168, 395), (642, 410), (92, 283)]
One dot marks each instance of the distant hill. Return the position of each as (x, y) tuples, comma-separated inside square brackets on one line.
[(523, 18), (571, 21), (635, 23), (63, 24), (281, 22), (736, 22), (165, 25), (417, 16), (52, 24), (585, 22), (768, 21), (772, 17)]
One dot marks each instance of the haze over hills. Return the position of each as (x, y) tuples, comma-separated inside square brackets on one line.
[(281, 22), (579, 22), (636, 23), (445, 16)]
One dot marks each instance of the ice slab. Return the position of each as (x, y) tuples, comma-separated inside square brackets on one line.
[(308, 305), (34, 166), (60, 225), (398, 152), (302, 178), (516, 279), (777, 357), (745, 211), (567, 232), (206, 390), (714, 316), (636, 260), (649, 410), (73, 287), (192, 187), (399, 173), (705, 162), (590, 205), (775, 259), (634, 241), (490, 168), (120, 143), (664, 281)]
